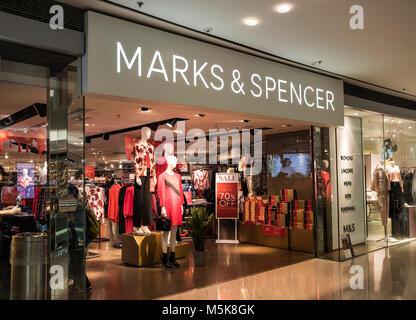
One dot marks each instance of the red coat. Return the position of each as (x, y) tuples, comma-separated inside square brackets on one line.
[(169, 199)]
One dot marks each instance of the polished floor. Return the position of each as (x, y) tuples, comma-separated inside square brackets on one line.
[(387, 274), (113, 280)]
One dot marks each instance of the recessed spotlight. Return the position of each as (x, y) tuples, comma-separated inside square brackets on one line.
[(251, 21), (144, 109), (372, 139), (6, 156), (244, 121), (283, 7), (394, 136), (410, 127), (199, 115), (400, 121), (356, 113), (286, 125)]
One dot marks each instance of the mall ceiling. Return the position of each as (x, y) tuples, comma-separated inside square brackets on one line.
[(383, 54)]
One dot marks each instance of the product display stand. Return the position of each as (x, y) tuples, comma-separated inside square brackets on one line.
[(226, 240)]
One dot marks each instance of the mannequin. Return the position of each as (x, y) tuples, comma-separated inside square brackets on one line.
[(381, 185), (162, 163), (326, 179), (145, 173), (396, 197), (171, 201)]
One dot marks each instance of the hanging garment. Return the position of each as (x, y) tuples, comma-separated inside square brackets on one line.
[(414, 188), (96, 199), (9, 195), (128, 209), (171, 196), (143, 202), (42, 214), (113, 207), (200, 180), (407, 186), (381, 185), (121, 219)]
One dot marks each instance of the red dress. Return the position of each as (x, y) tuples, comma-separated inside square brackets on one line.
[(128, 209), (169, 198)]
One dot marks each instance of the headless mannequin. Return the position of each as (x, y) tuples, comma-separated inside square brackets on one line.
[(144, 228), (381, 185), (395, 203), (169, 236)]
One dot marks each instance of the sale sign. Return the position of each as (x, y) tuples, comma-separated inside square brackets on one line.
[(226, 195)]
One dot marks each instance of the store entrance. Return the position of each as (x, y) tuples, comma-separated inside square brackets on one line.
[(274, 199)]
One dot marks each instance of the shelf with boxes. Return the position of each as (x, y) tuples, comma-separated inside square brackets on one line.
[(281, 221)]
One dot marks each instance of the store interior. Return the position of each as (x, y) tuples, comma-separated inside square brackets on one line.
[(275, 223), (113, 122), (389, 161)]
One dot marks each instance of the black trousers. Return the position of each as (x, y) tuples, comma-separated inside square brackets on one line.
[(396, 204), (142, 206)]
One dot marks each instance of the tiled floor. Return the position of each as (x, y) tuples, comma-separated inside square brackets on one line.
[(387, 274), (113, 280)]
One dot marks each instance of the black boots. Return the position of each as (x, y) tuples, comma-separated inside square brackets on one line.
[(171, 263), (172, 260), (165, 263)]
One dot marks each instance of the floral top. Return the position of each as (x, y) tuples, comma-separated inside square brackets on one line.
[(96, 199), (200, 179), (144, 159)]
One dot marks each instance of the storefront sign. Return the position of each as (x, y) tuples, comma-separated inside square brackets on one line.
[(226, 195), (351, 181), (130, 60), (90, 172)]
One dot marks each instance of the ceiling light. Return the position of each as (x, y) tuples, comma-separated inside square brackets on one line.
[(372, 139), (394, 136), (171, 124), (6, 156), (144, 109), (199, 115), (400, 121), (251, 21), (244, 121), (392, 120), (410, 127), (283, 7), (286, 125), (356, 113)]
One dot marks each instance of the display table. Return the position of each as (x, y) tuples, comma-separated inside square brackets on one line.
[(301, 240), (147, 250), (253, 234)]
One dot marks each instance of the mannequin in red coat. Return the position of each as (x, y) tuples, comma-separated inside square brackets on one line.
[(170, 193)]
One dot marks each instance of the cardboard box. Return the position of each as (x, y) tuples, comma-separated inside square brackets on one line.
[(146, 250)]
